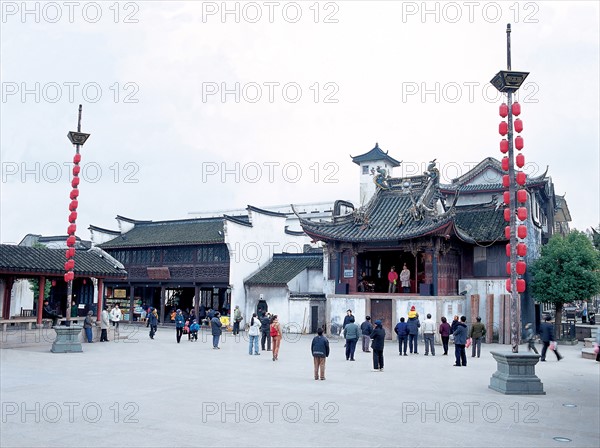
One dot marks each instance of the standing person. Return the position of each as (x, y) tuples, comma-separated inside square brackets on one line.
[(194, 328), (401, 330), (320, 351), (405, 279), (347, 318), (378, 336), (253, 334), (477, 333), (429, 335), (87, 326), (215, 325), (530, 338), (351, 334), (104, 323), (392, 280), (275, 330), (460, 340), (237, 318), (445, 331), (73, 309), (413, 330), (547, 336), (584, 312), (152, 322), (115, 316), (265, 329), (455, 322), (366, 328), (179, 325), (201, 313)]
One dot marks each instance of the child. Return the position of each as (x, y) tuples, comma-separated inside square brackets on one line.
[(530, 337), (194, 331)]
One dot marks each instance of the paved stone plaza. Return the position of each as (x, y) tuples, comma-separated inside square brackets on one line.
[(142, 392)]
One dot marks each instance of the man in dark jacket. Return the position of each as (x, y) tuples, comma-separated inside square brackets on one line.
[(413, 325), (48, 313), (378, 337), (547, 336), (366, 328), (265, 330), (152, 321), (460, 340), (179, 324), (215, 326), (320, 351), (402, 331), (477, 333)]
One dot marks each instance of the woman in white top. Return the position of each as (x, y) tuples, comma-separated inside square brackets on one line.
[(254, 333), (115, 316)]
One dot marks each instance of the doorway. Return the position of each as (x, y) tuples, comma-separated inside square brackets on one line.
[(382, 309)]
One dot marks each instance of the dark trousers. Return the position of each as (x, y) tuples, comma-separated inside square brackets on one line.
[(445, 340), (179, 332), (366, 340), (266, 336), (412, 342), (103, 335), (350, 348), (377, 359), (152, 331), (236, 327), (545, 348), (460, 354), (531, 346), (194, 335), (216, 338), (89, 334), (402, 341)]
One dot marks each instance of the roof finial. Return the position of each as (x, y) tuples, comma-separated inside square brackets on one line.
[(376, 145)]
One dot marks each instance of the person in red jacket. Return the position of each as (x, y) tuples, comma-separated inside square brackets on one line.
[(392, 279)]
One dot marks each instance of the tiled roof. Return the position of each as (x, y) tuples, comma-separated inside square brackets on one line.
[(385, 222), (170, 233), (284, 267), (480, 224), (16, 259), (471, 188), (374, 155)]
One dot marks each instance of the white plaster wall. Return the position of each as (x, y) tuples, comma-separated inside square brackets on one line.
[(98, 237), (250, 248), (299, 283), (299, 315), (307, 281), (483, 287), (337, 307), (315, 281)]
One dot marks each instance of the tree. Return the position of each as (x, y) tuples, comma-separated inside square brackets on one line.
[(595, 235), (34, 283), (568, 269)]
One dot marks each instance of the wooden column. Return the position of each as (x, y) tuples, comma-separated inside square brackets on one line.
[(196, 302), (501, 317), (507, 320), (7, 295), (131, 301), (474, 307), (42, 281), (100, 298), (489, 324), (163, 293), (416, 288)]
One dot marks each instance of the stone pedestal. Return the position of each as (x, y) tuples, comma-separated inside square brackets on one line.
[(67, 339), (516, 374)]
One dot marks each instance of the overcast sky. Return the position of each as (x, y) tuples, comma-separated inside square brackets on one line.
[(193, 108)]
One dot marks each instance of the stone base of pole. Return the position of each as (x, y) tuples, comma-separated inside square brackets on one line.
[(67, 339), (516, 374)]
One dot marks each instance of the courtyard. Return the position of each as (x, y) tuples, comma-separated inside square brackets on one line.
[(135, 391)]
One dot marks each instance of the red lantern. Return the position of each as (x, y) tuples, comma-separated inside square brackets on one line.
[(70, 253), (519, 142), (75, 182), (508, 284), (504, 146), (76, 158), (520, 285), (507, 232), (71, 229), (507, 214), (70, 264), (73, 217), (516, 109), (74, 193), (503, 128), (71, 241), (520, 160), (508, 250), (518, 125), (69, 276), (521, 250), (505, 163), (506, 197), (503, 110), (84, 281), (508, 268), (73, 205), (521, 178), (522, 231), (505, 181), (76, 170), (522, 196), (522, 213), (521, 267)]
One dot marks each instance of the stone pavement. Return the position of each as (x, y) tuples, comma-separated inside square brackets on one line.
[(147, 393)]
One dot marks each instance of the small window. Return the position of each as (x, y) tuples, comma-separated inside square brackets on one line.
[(365, 169)]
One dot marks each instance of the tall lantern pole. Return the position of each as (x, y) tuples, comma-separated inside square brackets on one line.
[(77, 139), (509, 82)]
